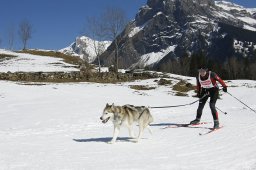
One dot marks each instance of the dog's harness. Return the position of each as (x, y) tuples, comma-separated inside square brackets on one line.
[(142, 112), (121, 121)]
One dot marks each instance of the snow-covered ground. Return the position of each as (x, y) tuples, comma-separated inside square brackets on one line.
[(33, 63), (57, 126)]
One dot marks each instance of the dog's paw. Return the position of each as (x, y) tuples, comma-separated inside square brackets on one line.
[(134, 140), (111, 142)]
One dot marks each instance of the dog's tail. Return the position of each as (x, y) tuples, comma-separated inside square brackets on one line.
[(150, 121), (149, 118)]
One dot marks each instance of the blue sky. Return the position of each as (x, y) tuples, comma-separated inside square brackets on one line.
[(245, 3), (56, 23)]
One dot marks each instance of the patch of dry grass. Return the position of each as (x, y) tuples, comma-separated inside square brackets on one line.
[(141, 87), (183, 86), (181, 94), (67, 58), (163, 81), (4, 57)]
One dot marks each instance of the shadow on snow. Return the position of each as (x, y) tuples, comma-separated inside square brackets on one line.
[(105, 139)]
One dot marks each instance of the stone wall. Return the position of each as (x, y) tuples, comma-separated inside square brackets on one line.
[(106, 77)]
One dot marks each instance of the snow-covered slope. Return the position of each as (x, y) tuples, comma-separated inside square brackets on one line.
[(152, 58), (33, 63), (228, 6), (85, 48), (240, 13), (57, 126)]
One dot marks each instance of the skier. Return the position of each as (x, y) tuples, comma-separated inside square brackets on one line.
[(207, 86)]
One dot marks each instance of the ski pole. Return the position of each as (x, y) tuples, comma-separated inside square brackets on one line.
[(241, 102), (221, 110)]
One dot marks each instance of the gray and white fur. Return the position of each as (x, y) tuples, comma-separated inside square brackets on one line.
[(127, 115)]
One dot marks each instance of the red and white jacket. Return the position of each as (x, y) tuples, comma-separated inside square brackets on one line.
[(209, 81)]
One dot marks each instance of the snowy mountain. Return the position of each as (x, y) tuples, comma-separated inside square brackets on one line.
[(167, 29), (245, 15), (229, 6), (84, 47)]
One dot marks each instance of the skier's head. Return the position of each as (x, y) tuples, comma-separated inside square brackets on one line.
[(202, 70)]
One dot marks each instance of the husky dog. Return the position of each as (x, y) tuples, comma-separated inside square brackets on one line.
[(127, 115)]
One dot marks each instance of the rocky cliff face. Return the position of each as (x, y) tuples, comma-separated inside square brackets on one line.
[(164, 29)]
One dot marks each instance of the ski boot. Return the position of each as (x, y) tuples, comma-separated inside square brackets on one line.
[(194, 122), (216, 124)]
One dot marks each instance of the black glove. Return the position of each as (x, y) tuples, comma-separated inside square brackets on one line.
[(198, 95), (225, 89)]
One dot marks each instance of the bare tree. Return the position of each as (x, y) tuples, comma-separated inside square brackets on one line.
[(233, 68), (115, 21), (253, 71), (25, 31), (184, 64), (98, 36), (11, 36)]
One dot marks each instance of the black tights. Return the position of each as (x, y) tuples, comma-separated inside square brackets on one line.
[(213, 94)]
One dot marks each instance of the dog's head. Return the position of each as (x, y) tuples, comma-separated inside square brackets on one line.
[(108, 113)]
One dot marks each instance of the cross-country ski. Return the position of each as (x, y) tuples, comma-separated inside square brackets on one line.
[(210, 131), (176, 125)]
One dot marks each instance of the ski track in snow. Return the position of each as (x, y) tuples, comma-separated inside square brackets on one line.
[(57, 126)]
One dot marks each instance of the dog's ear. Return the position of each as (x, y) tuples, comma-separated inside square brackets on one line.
[(112, 105), (107, 105)]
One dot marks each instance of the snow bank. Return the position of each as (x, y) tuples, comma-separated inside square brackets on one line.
[(33, 63)]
